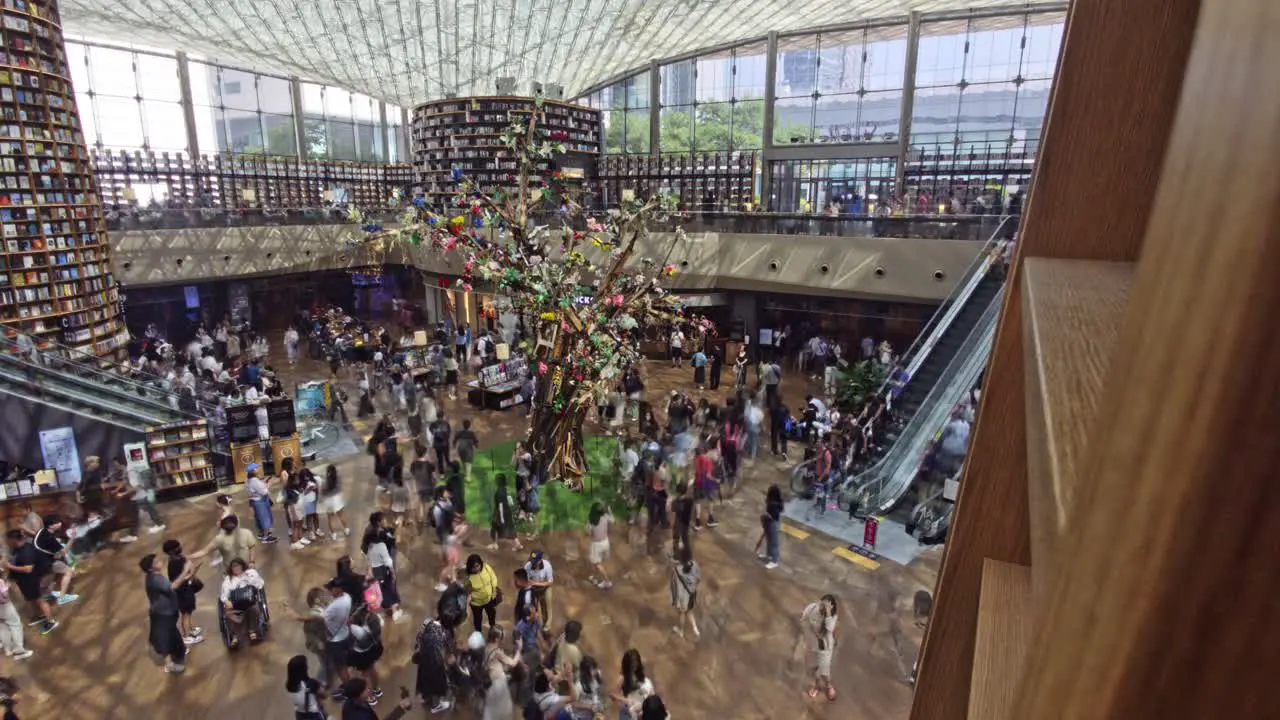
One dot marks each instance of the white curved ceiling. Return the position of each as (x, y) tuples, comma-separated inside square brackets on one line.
[(410, 51)]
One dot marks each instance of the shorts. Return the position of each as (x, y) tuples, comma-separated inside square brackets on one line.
[(332, 504), (598, 552), (363, 660), (60, 567), (677, 353), (30, 586), (451, 377), (452, 553), (337, 652)]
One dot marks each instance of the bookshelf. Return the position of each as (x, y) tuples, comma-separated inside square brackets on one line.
[(466, 134), (708, 181), (55, 278), (230, 181), (180, 454)]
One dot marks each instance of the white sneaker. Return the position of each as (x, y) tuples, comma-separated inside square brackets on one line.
[(346, 531), (192, 640), (770, 565), (127, 538), (397, 616), (441, 587), (441, 706), (298, 545), (305, 541), (174, 668), (156, 529), (22, 654), (333, 536)]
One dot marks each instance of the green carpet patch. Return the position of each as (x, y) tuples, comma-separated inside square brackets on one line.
[(561, 509)]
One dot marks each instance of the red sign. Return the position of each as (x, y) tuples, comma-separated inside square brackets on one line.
[(869, 531)]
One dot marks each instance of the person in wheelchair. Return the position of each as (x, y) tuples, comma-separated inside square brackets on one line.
[(242, 613)]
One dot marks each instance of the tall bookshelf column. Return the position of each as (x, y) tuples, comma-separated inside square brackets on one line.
[(55, 270)]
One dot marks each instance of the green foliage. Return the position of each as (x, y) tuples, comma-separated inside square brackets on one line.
[(857, 383), (709, 127)]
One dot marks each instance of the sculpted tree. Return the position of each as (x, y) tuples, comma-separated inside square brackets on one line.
[(574, 277)]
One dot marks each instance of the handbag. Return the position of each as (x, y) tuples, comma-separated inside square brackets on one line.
[(243, 597), (373, 596), (196, 584)]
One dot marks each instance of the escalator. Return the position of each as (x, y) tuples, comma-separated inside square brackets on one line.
[(54, 376), (925, 377)]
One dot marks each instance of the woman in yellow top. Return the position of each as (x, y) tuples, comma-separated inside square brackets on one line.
[(483, 593)]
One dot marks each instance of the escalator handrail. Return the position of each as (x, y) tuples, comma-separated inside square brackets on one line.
[(946, 313), (107, 408), (79, 357), (983, 328), (107, 378)]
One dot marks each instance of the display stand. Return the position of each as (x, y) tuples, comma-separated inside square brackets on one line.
[(179, 454), (499, 385), (242, 456)]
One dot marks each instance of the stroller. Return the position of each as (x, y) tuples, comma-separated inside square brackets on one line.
[(264, 619)]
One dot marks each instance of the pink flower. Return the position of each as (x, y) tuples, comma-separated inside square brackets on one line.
[(466, 287), (542, 368), (617, 300), (468, 266)]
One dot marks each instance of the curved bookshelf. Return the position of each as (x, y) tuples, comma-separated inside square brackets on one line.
[(465, 134), (55, 278)]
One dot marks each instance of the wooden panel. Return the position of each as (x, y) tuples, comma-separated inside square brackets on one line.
[(997, 456), (1072, 312), (1004, 633), (1165, 604), (1115, 94)]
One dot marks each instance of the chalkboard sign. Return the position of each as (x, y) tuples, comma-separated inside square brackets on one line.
[(242, 423), (280, 418)]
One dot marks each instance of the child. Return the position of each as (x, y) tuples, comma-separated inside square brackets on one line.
[(310, 505)]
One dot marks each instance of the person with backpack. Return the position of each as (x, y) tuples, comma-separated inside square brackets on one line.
[(378, 546), (366, 649)]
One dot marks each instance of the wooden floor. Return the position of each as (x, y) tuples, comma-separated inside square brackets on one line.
[(96, 665)]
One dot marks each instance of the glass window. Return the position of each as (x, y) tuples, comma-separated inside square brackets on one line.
[(278, 135), (78, 63), (337, 103), (274, 95), (797, 71), (243, 131), (713, 129), (1043, 45), (637, 133), (111, 72), (793, 120), (239, 89), (342, 140), (748, 125), (158, 78), (165, 126), (312, 98), (364, 108), (749, 64), (119, 123), (315, 143), (676, 125)]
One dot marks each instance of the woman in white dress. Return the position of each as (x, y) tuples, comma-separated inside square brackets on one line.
[(819, 621), (497, 698)]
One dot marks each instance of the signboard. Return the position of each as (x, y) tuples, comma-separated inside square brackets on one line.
[(58, 447), (869, 531), (238, 301), (311, 398)]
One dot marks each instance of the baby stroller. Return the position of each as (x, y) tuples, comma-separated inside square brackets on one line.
[(242, 601)]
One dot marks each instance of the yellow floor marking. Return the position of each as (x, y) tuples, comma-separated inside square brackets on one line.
[(794, 532), (856, 559)]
